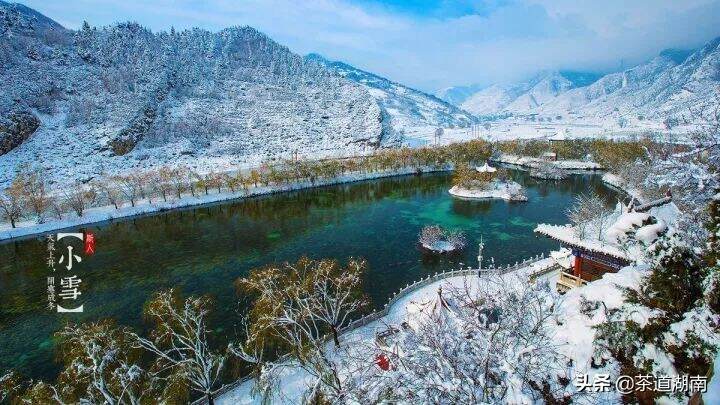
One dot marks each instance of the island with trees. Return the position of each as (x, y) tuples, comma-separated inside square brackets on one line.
[(436, 239), (485, 182)]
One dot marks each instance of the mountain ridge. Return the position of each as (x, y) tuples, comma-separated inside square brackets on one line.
[(404, 106), (119, 98), (661, 87)]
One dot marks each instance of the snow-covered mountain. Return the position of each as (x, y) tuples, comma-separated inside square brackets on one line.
[(663, 87), (525, 96), (118, 98), (458, 94), (403, 107)]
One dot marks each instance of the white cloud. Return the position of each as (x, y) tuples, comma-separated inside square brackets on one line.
[(507, 42)]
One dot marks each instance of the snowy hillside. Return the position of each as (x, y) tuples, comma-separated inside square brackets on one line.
[(117, 98), (458, 94), (406, 109), (664, 87), (524, 97)]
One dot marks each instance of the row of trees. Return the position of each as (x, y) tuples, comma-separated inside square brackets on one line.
[(30, 196), (611, 154)]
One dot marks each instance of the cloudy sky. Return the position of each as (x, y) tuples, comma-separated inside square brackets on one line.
[(431, 44)]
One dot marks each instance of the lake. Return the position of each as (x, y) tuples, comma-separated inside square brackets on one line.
[(203, 250)]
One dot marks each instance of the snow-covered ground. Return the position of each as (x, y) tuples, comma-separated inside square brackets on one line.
[(506, 190), (440, 246), (573, 328), (515, 128), (619, 183)]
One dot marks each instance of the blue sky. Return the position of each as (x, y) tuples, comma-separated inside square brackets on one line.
[(430, 44)]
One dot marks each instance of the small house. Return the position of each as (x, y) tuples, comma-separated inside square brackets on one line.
[(622, 242)]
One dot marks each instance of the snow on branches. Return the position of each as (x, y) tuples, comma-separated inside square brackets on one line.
[(297, 304), (589, 213), (492, 343), (180, 341), (437, 239)]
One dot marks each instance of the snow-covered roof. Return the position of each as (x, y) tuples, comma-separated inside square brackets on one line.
[(486, 168), (562, 257), (559, 136), (643, 227), (625, 223), (566, 234)]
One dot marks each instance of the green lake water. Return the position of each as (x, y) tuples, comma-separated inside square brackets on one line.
[(203, 250)]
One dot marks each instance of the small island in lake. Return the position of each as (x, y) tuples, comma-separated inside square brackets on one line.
[(438, 240), (485, 182)]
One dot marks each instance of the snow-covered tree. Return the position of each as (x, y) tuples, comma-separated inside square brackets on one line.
[(101, 364), (109, 191), (179, 180), (100, 367), (434, 237), (34, 191), (161, 181), (78, 197), (486, 344), (11, 203), (131, 186), (297, 304), (691, 168), (10, 386), (678, 296), (589, 213), (180, 341), (547, 170)]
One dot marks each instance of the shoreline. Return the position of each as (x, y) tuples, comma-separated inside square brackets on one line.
[(108, 213), (393, 312), (98, 215)]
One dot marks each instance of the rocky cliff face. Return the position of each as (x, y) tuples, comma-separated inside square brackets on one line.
[(15, 129)]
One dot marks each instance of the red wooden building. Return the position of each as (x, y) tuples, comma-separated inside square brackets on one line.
[(589, 263)]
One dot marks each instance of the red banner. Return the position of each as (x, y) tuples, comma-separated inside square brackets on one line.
[(89, 243)]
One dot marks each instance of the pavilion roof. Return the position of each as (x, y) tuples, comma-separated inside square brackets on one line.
[(565, 234), (486, 168)]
